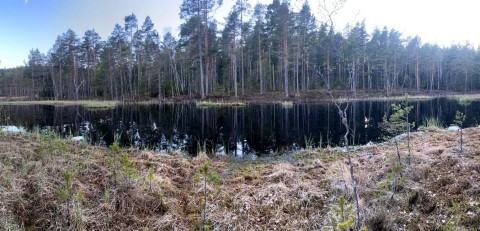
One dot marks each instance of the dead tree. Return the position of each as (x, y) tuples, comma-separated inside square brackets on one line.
[(342, 113)]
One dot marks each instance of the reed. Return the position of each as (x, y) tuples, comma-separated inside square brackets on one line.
[(464, 99), (432, 123)]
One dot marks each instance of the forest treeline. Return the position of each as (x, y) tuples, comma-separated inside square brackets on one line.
[(260, 48)]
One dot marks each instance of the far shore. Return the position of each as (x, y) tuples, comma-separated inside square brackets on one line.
[(270, 97)]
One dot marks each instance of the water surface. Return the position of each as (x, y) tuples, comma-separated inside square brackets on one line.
[(253, 130)]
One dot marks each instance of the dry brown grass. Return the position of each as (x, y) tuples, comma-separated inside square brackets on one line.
[(265, 195), (439, 174)]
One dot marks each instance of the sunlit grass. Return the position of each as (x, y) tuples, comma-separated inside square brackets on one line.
[(286, 104), (96, 105), (89, 104), (429, 123), (463, 99), (155, 102), (220, 104), (400, 98), (384, 98)]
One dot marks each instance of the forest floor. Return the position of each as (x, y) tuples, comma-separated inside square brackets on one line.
[(48, 183)]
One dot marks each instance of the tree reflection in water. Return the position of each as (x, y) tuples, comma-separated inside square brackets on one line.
[(250, 131)]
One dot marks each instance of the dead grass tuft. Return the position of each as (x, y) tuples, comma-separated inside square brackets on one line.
[(282, 194)]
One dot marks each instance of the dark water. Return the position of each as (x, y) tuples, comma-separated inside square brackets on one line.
[(257, 129)]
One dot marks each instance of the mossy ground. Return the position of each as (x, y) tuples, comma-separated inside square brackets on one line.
[(279, 193)]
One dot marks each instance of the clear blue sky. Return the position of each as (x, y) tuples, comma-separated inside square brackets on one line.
[(30, 24), (37, 23)]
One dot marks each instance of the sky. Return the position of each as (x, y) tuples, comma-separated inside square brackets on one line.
[(31, 24)]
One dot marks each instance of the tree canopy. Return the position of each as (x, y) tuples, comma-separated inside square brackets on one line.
[(259, 49)]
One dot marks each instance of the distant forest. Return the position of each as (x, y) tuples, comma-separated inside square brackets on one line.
[(261, 48)]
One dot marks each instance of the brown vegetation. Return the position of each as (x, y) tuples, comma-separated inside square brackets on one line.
[(163, 193)]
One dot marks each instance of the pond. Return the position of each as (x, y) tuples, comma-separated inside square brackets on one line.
[(253, 130)]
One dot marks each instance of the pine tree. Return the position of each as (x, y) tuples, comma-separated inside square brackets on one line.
[(459, 119), (196, 13), (397, 123)]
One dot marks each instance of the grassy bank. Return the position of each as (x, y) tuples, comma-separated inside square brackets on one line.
[(49, 183), (91, 104), (269, 97), (220, 103)]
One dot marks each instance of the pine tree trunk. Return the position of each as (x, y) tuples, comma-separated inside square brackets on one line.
[(260, 69), (285, 65), (417, 73)]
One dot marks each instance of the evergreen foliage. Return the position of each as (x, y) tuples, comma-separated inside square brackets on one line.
[(397, 123), (459, 119), (264, 48), (207, 177)]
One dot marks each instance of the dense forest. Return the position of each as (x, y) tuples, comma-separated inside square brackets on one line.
[(260, 48)]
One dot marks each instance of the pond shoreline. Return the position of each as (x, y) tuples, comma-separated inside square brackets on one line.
[(257, 129), (295, 194), (314, 96)]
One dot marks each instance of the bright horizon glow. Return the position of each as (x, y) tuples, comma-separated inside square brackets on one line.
[(444, 22), (31, 24)]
